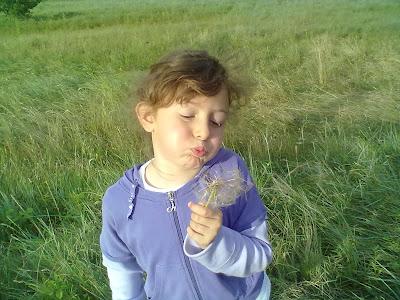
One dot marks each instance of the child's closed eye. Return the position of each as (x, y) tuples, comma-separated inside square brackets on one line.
[(213, 122), (187, 116), (217, 124)]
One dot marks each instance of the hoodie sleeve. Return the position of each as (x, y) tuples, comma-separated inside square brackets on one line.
[(126, 283), (112, 246), (125, 275), (234, 253)]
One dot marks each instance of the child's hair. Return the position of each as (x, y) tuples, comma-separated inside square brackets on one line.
[(182, 75)]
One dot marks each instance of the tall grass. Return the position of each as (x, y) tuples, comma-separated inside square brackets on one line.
[(321, 135)]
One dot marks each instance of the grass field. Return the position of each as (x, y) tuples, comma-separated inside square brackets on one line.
[(321, 134)]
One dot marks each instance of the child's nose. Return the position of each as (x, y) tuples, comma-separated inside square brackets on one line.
[(202, 130)]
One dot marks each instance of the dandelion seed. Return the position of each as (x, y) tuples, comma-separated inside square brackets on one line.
[(220, 190)]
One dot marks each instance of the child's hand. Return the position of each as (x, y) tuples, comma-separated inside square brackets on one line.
[(205, 224)]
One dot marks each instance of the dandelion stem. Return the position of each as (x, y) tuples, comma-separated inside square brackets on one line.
[(213, 194)]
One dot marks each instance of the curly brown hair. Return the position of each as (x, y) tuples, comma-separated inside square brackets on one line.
[(182, 75)]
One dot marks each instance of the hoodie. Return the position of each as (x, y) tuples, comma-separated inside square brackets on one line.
[(146, 232)]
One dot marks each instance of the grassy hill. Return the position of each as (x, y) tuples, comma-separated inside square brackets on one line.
[(321, 134)]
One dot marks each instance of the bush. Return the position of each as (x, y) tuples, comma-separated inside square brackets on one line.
[(20, 8)]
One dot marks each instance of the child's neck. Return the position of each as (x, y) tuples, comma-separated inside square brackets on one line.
[(165, 178)]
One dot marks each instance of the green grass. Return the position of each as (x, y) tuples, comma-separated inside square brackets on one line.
[(321, 135)]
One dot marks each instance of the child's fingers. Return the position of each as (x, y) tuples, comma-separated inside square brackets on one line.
[(199, 209), (203, 240), (200, 219), (204, 224), (202, 210), (195, 236), (208, 222), (198, 227)]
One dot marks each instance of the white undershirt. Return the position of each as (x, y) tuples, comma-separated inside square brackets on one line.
[(148, 186)]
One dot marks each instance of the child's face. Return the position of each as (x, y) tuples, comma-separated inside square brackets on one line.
[(190, 134)]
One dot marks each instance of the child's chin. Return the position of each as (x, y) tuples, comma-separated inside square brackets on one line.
[(197, 162)]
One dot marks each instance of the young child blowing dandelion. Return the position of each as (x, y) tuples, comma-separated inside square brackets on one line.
[(190, 218)]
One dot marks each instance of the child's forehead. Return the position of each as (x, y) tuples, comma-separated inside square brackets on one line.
[(213, 104), (218, 101)]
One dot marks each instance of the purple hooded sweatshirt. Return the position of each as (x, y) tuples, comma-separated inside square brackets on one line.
[(145, 231)]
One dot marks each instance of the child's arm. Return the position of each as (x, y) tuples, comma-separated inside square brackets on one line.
[(125, 275), (238, 252), (234, 253)]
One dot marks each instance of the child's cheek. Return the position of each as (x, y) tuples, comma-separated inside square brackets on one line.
[(216, 144), (217, 136), (181, 134)]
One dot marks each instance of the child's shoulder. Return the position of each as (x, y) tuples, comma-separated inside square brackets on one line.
[(117, 192), (227, 159), (228, 164)]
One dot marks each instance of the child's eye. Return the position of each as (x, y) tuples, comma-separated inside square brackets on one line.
[(186, 117), (217, 124)]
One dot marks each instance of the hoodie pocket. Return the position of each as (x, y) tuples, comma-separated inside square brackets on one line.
[(170, 283)]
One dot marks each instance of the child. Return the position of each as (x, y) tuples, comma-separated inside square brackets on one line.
[(157, 241)]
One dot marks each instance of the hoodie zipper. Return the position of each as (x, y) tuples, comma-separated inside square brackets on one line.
[(172, 208)]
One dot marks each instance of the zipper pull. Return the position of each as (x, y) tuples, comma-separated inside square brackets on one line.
[(172, 202)]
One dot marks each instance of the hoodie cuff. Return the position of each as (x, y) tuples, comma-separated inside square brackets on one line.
[(190, 247), (223, 244)]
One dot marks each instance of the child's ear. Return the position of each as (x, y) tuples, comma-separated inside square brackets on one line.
[(145, 115)]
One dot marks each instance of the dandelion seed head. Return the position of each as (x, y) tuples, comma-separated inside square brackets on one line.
[(221, 189)]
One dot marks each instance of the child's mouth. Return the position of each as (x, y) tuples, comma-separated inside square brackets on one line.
[(199, 151)]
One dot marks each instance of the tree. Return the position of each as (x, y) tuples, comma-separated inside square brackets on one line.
[(20, 8)]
